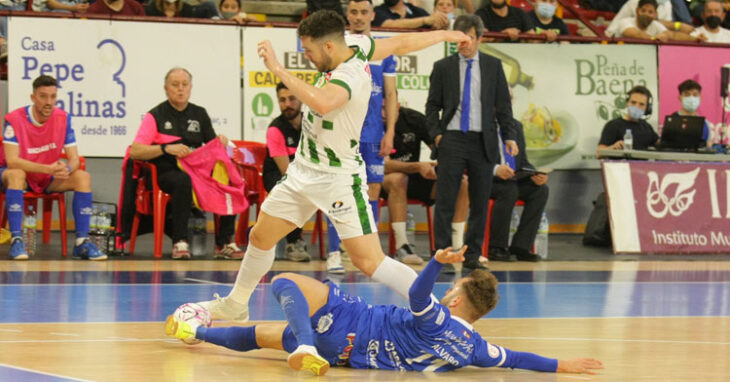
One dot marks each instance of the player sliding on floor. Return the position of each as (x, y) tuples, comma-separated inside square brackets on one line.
[(329, 327), (327, 173)]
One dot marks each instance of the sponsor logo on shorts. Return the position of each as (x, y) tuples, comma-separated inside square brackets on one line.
[(337, 204), (338, 209), (343, 359), (324, 323)]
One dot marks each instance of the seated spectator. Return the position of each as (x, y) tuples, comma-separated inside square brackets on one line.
[(645, 26), (116, 7), (690, 94), (644, 136), (500, 17), (602, 5), (448, 8), (663, 16), (178, 8), (406, 177), (59, 6), (34, 138), (398, 14), (231, 10), (545, 22), (726, 8), (509, 185), (713, 16), (190, 126), (282, 140)]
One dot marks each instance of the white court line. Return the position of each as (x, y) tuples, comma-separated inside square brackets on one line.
[(42, 372), (377, 283), (63, 334), (11, 330), (107, 340), (199, 281), (611, 340)]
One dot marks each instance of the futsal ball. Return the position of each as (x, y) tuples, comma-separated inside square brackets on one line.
[(195, 316)]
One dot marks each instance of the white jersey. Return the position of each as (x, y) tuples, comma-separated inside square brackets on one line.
[(331, 142)]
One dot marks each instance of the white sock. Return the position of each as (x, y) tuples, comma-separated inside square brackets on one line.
[(457, 235), (399, 231), (395, 275), (254, 266)]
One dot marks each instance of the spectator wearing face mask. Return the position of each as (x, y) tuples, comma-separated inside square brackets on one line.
[(545, 22), (713, 16), (116, 7), (690, 95), (664, 16), (644, 26), (231, 10)]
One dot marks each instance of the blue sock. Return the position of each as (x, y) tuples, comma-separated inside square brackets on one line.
[(296, 310), (241, 338), (82, 212), (332, 237), (374, 206), (14, 206)]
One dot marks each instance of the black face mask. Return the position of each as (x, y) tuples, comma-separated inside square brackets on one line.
[(713, 22), (499, 6), (390, 3)]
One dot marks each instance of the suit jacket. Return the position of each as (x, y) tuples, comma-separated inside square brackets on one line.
[(444, 99)]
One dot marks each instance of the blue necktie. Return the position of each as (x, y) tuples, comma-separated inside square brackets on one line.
[(466, 98), (509, 160)]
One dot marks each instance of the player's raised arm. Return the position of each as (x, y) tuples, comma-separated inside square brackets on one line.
[(410, 42), (419, 295)]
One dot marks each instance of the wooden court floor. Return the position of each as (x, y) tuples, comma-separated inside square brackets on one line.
[(676, 326)]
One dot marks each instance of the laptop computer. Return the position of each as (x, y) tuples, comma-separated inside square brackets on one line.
[(682, 133)]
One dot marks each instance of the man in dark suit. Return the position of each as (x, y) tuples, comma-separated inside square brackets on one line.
[(464, 129), (513, 181)]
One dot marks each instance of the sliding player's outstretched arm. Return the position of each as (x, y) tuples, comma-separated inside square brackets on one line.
[(321, 100), (488, 355), (405, 43)]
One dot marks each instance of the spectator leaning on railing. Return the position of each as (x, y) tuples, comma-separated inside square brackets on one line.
[(645, 26), (500, 17), (663, 16), (116, 7), (179, 8), (545, 22), (231, 10), (59, 6), (398, 14), (713, 16)]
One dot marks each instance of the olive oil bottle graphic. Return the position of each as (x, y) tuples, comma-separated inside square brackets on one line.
[(512, 69)]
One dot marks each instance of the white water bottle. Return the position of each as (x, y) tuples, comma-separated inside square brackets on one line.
[(541, 241), (628, 140), (29, 231), (513, 224)]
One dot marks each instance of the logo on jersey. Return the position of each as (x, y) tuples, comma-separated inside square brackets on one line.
[(393, 355), (408, 137), (42, 149), (466, 334), (168, 125), (493, 351), (324, 323), (373, 346), (289, 141), (193, 126), (344, 358), (9, 132)]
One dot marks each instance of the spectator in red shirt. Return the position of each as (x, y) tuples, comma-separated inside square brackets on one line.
[(116, 7)]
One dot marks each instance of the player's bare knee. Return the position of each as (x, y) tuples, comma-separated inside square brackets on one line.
[(14, 178), (82, 180), (285, 275)]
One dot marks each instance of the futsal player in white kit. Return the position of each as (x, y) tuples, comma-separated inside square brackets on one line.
[(328, 173)]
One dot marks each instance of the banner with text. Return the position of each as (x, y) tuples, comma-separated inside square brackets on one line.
[(111, 73), (666, 207), (565, 94), (705, 71)]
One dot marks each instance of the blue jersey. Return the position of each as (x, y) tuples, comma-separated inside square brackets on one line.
[(373, 128), (394, 338)]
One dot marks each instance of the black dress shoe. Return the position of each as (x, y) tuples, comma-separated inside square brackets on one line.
[(524, 255), (499, 254), (474, 265)]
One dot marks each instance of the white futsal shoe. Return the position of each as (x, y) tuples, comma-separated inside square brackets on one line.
[(224, 308), (305, 357)]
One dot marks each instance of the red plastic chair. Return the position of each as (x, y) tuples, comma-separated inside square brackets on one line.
[(391, 236), (249, 158), (31, 198), (485, 245), (149, 202)]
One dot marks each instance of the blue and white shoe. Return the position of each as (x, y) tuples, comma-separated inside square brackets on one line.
[(17, 249), (88, 250)]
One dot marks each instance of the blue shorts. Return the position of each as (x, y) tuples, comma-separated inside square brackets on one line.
[(335, 325), (374, 163)]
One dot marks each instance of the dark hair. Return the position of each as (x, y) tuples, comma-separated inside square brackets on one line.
[(480, 288), (638, 89), (360, 1), (688, 85), (44, 80), (279, 86), (321, 24), (644, 2), (465, 22)]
